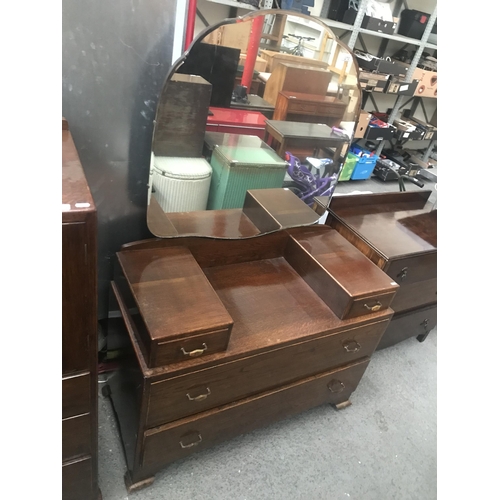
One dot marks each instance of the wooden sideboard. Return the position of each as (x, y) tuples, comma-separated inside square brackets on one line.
[(297, 106), (265, 327), (398, 232), (79, 329)]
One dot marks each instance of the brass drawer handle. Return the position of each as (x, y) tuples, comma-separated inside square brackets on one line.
[(351, 346), (336, 386), (374, 308), (195, 443), (196, 352), (201, 397)]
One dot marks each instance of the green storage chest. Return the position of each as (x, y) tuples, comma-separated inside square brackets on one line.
[(235, 169)]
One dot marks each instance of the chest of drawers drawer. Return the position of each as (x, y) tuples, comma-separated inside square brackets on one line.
[(192, 393), (409, 324), (410, 270), (76, 436), (171, 442), (414, 295), (75, 395)]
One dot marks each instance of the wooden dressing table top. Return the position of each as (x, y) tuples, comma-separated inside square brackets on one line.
[(301, 130), (393, 224), (301, 96)]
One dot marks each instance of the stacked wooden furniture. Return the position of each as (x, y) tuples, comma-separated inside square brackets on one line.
[(398, 232), (79, 329), (297, 106), (226, 336), (295, 78), (274, 58), (303, 139)]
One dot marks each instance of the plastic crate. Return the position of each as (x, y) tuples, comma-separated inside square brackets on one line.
[(365, 164), (349, 165)]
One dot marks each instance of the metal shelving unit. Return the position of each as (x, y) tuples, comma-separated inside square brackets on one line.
[(421, 44)]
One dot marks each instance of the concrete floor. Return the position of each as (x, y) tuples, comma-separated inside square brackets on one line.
[(384, 446)]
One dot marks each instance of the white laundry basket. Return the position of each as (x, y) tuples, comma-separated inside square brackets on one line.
[(181, 184)]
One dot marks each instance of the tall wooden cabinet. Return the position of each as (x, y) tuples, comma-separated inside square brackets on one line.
[(79, 329)]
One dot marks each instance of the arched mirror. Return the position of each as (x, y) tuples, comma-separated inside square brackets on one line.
[(258, 102)]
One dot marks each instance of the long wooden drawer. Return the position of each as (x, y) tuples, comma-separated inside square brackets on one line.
[(77, 480), (75, 395), (415, 295), (192, 393), (76, 436), (406, 325), (179, 439)]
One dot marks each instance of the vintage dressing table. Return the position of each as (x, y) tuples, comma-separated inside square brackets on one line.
[(236, 318)]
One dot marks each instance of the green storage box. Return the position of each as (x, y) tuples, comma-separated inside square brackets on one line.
[(235, 169), (349, 166)]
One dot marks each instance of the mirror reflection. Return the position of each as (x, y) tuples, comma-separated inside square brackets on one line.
[(262, 102)]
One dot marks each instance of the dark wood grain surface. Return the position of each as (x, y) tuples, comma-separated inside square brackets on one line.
[(409, 324), (77, 201), (79, 326), (178, 397), (229, 223), (287, 352), (77, 479), (76, 391), (398, 232), (184, 437), (165, 284), (278, 208), (76, 437)]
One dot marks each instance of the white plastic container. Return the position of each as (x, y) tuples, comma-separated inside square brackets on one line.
[(181, 184)]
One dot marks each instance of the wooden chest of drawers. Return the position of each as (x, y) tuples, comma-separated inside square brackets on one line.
[(298, 339), (79, 329), (398, 232), (297, 106)]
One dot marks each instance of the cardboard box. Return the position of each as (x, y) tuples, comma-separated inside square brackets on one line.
[(260, 63), (231, 35), (373, 82), (397, 86), (370, 23), (273, 59), (363, 121), (379, 133)]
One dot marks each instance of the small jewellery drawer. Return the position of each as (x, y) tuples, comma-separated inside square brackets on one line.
[(76, 436), (75, 395), (179, 439), (371, 304), (192, 393), (193, 347)]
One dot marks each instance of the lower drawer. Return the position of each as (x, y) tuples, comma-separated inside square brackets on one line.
[(192, 393), (406, 325), (415, 295), (75, 395), (179, 439), (77, 480), (76, 436)]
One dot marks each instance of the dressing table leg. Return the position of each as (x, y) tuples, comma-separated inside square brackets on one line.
[(341, 406), (139, 485)]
